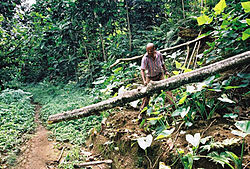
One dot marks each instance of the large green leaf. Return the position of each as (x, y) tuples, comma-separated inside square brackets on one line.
[(220, 7), (246, 34), (246, 6), (204, 19), (248, 21)]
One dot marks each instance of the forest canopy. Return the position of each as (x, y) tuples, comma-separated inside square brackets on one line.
[(78, 40)]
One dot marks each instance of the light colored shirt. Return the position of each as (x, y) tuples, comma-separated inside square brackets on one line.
[(152, 67)]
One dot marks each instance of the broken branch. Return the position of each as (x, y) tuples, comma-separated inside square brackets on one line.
[(163, 50), (93, 163)]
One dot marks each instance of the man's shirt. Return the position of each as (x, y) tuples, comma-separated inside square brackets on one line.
[(152, 67)]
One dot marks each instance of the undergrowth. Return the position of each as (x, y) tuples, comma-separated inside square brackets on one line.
[(61, 98), (16, 122)]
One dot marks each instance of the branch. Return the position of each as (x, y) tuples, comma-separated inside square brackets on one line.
[(163, 50), (93, 163), (154, 87)]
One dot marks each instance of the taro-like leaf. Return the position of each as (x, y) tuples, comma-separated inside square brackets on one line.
[(182, 100), (220, 7), (248, 21), (244, 126), (145, 142), (246, 6), (165, 133), (194, 140), (224, 98), (204, 19), (239, 133), (246, 34), (181, 111), (162, 165), (178, 65), (231, 115)]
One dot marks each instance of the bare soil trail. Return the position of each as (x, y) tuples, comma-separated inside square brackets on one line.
[(38, 152)]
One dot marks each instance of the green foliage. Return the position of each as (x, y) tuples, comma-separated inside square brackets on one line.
[(57, 99), (230, 29), (16, 121)]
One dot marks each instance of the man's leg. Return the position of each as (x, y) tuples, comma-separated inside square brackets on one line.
[(169, 95), (145, 102)]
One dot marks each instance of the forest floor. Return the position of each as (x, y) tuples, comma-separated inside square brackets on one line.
[(38, 152), (118, 141)]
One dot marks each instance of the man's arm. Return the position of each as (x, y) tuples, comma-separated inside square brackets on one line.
[(143, 77)]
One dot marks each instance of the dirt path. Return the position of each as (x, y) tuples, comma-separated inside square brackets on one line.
[(38, 151)]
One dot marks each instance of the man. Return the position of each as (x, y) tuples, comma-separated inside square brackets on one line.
[(152, 68)]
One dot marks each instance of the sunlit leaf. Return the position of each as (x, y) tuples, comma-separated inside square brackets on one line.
[(231, 115), (235, 158), (243, 126), (1, 18), (246, 34), (178, 65), (134, 103), (239, 133), (187, 70), (145, 142), (194, 140), (248, 21), (204, 140), (209, 80), (246, 6), (190, 89), (224, 98), (117, 70), (182, 100), (231, 87), (162, 165), (154, 118), (165, 133), (204, 19), (175, 72), (219, 159), (181, 112), (220, 7)]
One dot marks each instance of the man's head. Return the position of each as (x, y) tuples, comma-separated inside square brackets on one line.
[(150, 49)]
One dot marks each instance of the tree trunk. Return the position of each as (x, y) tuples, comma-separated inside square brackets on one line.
[(154, 87), (129, 29)]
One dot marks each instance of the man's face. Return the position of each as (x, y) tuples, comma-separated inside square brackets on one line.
[(151, 51)]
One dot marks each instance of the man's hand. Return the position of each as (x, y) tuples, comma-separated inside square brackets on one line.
[(166, 73), (145, 83)]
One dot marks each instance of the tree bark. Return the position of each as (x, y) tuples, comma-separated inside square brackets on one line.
[(154, 87), (129, 29)]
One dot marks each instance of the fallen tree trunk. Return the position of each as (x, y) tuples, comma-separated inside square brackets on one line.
[(153, 87), (162, 50)]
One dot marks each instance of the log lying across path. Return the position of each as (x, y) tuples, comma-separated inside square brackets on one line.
[(154, 87)]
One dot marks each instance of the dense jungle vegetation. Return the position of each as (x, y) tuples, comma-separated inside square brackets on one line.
[(58, 54)]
